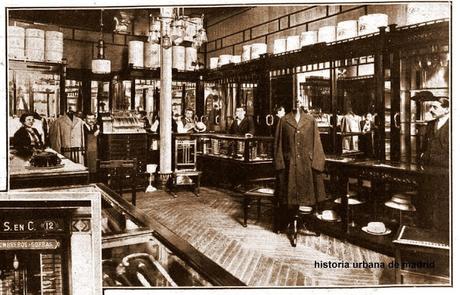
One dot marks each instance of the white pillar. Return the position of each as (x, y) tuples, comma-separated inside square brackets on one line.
[(165, 102)]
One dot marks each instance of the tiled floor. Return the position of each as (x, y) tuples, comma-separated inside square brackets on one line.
[(256, 255)]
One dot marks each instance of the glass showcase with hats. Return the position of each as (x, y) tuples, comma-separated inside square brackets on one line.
[(332, 120)]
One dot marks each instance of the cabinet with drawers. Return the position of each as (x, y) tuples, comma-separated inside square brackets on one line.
[(124, 146)]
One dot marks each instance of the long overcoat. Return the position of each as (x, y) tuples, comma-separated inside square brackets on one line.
[(299, 160), (66, 132)]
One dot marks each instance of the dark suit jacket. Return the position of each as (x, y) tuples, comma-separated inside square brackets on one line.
[(21, 139), (246, 126), (436, 145)]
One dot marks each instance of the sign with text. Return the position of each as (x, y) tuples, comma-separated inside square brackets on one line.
[(13, 225), (42, 244)]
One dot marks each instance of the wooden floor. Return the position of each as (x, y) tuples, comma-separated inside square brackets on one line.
[(256, 255)]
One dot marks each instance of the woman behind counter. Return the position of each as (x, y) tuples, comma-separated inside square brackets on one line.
[(27, 139)]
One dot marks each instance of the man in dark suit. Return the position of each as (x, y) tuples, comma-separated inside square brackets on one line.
[(433, 199), (436, 143), (242, 125)]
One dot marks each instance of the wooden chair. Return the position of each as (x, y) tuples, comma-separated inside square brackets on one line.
[(262, 189), (75, 154), (116, 173)]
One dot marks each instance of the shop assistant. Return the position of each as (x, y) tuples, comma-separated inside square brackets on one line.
[(242, 125), (27, 138)]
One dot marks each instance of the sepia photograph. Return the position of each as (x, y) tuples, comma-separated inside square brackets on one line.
[(231, 145)]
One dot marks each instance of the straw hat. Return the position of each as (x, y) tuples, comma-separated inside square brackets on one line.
[(351, 198), (329, 215), (376, 228), (401, 201), (200, 127)]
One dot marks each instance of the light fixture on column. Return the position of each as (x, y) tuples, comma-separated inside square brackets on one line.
[(100, 65), (178, 28)]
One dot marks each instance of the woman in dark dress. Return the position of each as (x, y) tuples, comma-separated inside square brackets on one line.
[(27, 139)]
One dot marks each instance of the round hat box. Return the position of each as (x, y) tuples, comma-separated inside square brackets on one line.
[(16, 42), (213, 62), (257, 49), (293, 43), (370, 23), (347, 29), (190, 58), (279, 46), (35, 44), (151, 55), (178, 57), (246, 55), (225, 59), (308, 38), (326, 34), (136, 53), (54, 46)]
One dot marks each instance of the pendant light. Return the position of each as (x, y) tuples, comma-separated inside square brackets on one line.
[(100, 65)]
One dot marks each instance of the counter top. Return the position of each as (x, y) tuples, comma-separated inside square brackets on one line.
[(21, 176), (390, 166), (17, 167)]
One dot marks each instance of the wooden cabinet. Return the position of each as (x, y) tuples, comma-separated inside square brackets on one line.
[(124, 146)]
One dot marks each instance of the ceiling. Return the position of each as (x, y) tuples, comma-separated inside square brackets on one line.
[(90, 18)]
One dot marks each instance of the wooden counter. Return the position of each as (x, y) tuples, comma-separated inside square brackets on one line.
[(386, 177), (21, 177)]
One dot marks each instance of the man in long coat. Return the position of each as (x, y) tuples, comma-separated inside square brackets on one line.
[(299, 160)]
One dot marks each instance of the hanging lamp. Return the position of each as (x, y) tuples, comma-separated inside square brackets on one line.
[(100, 65)]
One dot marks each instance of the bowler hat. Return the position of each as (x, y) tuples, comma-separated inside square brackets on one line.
[(428, 96)]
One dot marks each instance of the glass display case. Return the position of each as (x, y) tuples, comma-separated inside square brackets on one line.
[(74, 95), (122, 122), (239, 148), (183, 97), (34, 87), (100, 96), (146, 94), (133, 256), (317, 91), (421, 70)]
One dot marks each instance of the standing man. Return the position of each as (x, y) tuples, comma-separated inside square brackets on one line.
[(299, 160), (242, 125), (433, 198), (436, 142)]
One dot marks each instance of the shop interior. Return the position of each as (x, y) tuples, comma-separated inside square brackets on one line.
[(143, 105)]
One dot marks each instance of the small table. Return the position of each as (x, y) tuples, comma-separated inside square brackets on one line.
[(186, 175), (430, 249)]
